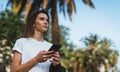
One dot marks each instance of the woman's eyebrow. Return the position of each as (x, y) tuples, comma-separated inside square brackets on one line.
[(44, 17)]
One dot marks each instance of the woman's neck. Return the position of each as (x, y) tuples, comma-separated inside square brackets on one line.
[(38, 37)]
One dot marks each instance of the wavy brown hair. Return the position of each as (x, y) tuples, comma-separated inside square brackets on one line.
[(29, 29)]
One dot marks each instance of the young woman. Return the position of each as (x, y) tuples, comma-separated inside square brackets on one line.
[(30, 53)]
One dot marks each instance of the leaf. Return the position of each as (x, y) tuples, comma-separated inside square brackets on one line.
[(89, 2)]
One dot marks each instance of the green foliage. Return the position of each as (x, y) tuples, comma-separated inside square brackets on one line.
[(96, 53), (11, 28), (90, 59)]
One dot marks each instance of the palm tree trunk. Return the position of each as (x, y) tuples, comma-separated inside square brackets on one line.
[(55, 27)]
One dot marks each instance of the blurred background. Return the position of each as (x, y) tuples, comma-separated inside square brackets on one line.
[(88, 30)]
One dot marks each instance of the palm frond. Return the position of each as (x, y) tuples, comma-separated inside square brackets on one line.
[(45, 2), (28, 7), (89, 2), (23, 4), (61, 5), (70, 8)]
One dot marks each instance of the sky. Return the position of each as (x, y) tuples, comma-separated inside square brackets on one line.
[(104, 21)]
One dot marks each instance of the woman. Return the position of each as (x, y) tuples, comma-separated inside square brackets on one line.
[(30, 54)]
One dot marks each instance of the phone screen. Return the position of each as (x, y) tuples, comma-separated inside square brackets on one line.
[(55, 47)]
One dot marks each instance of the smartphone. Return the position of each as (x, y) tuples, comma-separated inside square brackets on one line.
[(55, 47)]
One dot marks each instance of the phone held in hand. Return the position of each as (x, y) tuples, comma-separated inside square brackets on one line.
[(55, 47)]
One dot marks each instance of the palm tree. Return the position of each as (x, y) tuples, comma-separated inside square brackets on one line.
[(65, 6), (91, 41), (97, 53), (111, 54)]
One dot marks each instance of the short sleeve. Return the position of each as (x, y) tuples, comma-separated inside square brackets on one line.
[(17, 46)]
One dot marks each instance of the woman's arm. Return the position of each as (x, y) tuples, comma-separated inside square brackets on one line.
[(16, 66), (16, 63)]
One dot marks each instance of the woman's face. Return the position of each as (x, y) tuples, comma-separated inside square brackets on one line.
[(41, 23)]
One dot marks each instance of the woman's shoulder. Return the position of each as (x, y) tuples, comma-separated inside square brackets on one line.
[(47, 42), (21, 39)]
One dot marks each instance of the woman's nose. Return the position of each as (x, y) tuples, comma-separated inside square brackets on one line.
[(46, 22)]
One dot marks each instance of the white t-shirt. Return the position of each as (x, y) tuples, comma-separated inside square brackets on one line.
[(29, 48)]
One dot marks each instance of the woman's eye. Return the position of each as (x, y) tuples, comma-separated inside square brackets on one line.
[(41, 18)]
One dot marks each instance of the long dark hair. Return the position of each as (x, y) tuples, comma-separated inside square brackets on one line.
[(29, 29)]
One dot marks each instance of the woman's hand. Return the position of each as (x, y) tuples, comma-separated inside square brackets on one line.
[(43, 56), (56, 59)]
